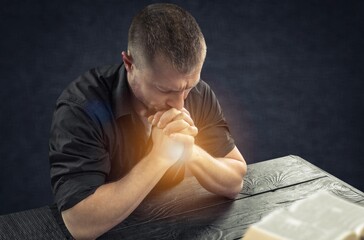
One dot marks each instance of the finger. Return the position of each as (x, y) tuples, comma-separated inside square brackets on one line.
[(185, 129), (150, 118), (185, 111), (167, 117), (175, 126), (191, 130), (185, 117), (180, 137), (181, 126), (156, 118)]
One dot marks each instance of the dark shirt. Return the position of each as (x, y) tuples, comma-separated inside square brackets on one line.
[(96, 137)]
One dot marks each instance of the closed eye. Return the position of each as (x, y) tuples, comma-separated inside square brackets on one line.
[(162, 90)]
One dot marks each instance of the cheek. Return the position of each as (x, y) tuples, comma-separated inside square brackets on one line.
[(151, 97), (143, 93), (159, 99), (135, 87), (185, 94)]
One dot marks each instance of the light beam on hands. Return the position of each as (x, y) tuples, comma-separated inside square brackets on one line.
[(175, 149)]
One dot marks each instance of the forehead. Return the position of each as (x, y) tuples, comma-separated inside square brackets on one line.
[(162, 74)]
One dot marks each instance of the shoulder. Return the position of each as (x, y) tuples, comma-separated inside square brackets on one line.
[(94, 84), (201, 94), (201, 102), (88, 98), (201, 88)]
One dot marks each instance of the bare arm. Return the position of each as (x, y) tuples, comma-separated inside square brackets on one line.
[(222, 176), (113, 202)]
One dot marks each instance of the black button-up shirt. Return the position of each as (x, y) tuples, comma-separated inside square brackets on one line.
[(96, 137)]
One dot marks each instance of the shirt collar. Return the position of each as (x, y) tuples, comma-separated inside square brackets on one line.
[(122, 95)]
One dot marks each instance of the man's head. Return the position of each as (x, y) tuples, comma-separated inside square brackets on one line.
[(169, 31), (166, 51)]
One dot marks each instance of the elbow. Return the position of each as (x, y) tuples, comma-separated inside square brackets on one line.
[(234, 188), (81, 234), (74, 227), (238, 184), (240, 179), (232, 195), (243, 169), (234, 191)]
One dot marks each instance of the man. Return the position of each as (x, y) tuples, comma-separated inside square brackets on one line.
[(120, 131)]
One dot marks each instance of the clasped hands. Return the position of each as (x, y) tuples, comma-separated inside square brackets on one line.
[(173, 132)]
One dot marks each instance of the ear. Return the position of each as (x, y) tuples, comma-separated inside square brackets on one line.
[(128, 61)]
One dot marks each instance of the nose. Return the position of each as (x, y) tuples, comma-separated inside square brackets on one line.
[(176, 100)]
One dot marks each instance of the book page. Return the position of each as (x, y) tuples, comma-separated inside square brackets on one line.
[(329, 211), (322, 216), (288, 226)]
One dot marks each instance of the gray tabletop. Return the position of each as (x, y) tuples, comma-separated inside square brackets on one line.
[(188, 211)]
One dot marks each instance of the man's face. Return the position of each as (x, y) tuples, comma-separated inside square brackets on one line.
[(159, 87)]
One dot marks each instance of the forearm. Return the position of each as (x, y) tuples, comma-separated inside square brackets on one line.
[(222, 176), (113, 202)]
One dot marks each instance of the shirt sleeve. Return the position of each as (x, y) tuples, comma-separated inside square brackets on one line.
[(214, 134), (79, 161)]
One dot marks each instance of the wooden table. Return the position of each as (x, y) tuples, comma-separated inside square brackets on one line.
[(190, 212)]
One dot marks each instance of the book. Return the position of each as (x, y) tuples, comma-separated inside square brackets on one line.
[(321, 216)]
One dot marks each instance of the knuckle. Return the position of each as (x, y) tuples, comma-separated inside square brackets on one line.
[(185, 111), (173, 112), (176, 111), (194, 130), (185, 116), (185, 124), (157, 116), (178, 116)]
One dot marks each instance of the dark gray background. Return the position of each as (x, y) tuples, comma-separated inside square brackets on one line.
[(288, 75)]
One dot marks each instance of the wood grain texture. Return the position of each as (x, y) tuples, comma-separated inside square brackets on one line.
[(189, 195), (188, 211), (277, 173), (227, 220), (184, 198), (344, 184)]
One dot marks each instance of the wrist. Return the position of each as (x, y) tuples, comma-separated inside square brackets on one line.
[(160, 161), (196, 156), (157, 161)]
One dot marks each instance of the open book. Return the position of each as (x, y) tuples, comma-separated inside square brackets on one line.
[(321, 216)]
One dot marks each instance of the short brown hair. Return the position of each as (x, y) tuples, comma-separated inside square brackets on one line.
[(170, 31)]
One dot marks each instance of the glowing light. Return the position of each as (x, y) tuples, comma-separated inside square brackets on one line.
[(175, 149)]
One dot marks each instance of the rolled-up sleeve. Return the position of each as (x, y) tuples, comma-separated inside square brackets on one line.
[(214, 134), (79, 161)]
